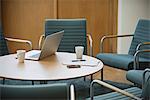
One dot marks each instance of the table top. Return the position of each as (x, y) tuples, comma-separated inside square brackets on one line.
[(50, 68)]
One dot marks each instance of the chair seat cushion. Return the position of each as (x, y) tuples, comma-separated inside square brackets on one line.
[(121, 61), (117, 96)]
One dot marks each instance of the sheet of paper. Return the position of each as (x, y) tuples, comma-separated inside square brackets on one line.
[(82, 63)]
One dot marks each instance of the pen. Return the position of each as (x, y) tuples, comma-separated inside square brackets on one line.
[(78, 60)]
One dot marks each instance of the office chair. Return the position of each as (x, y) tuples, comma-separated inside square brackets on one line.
[(139, 50), (135, 93)]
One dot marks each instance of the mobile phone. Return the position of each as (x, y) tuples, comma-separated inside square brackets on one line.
[(73, 66)]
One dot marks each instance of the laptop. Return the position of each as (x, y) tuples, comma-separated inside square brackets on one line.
[(49, 47)]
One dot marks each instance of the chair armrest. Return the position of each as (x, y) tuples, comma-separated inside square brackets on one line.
[(145, 71), (42, 37), (20, 41), (136, 57), (142, 44), (110, 87), (90, 42), (72, 92), (111, 36)]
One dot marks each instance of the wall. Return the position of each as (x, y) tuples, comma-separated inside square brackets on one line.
[(101, 18), (24, 19), (129, 11)]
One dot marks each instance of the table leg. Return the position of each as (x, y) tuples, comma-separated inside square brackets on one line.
[(32, 82), (84, 78), (91, 77), (102, 75), (3, 80)]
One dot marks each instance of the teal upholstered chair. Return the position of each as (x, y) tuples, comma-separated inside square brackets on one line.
[(59, 91), (74, 33), (139, 50), (127, 94)]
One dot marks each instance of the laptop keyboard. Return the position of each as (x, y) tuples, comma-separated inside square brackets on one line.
[(35, 55)]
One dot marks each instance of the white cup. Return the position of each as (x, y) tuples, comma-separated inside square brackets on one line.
[(21, 55), (79, 51)]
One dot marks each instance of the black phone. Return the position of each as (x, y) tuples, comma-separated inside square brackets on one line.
[(73, 66)]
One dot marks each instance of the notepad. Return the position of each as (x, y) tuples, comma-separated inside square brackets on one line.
[(82, 63)]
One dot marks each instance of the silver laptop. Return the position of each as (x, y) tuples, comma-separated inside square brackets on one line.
[(50, 46)]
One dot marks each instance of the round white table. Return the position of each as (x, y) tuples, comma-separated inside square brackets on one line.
[(49, 68)]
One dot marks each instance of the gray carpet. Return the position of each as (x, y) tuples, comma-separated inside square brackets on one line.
[(81, 86)]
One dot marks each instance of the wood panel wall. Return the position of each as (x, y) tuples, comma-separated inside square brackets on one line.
[(100, 14), (25, 18)]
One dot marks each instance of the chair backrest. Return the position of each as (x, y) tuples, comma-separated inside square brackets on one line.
[(32, 92), (74, 33), (3, 45), (141, 34)]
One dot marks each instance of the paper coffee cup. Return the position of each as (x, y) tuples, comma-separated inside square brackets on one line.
[(79, 51), (21, 55)]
